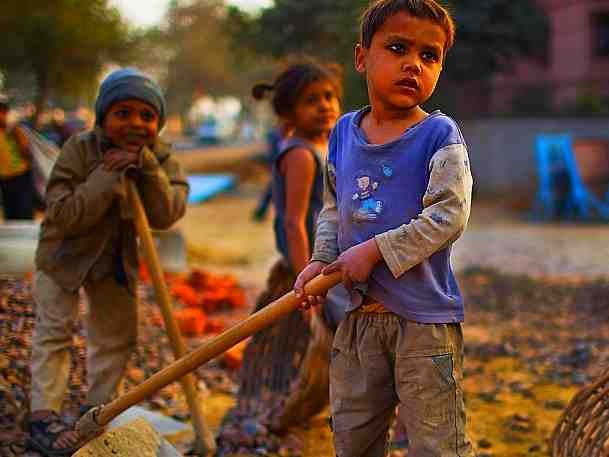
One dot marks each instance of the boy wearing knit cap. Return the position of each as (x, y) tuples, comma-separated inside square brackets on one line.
[(88, 240)]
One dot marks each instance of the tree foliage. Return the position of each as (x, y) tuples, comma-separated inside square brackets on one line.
[(206, 51), (198, 50), (490, 33), (327, 29), (61, 44)]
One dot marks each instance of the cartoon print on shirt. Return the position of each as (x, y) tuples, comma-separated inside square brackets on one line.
[(369, 207)]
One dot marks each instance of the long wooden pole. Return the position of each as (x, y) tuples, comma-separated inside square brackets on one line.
[(205, 442)]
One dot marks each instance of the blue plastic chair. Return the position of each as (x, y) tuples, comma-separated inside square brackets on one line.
[(556, 167)]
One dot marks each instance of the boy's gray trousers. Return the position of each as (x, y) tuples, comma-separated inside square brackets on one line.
[(380, 360), (111, 332)]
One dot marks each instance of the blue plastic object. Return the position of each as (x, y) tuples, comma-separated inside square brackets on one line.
[(561, 192), (203, 187)]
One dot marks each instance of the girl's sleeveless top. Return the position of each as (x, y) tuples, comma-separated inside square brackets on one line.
[(280, 198)]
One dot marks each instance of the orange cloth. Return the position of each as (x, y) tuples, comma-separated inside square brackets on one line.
[(370, 305)]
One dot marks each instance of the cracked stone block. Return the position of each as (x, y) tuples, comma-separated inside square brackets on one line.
[(134, 439)]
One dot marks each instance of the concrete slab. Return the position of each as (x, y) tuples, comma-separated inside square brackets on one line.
[(134, 439)]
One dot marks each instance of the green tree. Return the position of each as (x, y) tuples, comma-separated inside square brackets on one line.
[(206, 44), (61, 44), (199, 54), (327, 29), (490, 33)]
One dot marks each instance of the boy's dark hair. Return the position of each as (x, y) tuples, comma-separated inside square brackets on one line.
[(295, 77), (379, 11)]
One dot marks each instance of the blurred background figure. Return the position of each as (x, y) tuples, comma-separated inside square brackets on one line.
[(58, 130), (15, 169)]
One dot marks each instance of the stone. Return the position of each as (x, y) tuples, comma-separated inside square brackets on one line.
[(135, 439), (520, 422), (484, 444), (520, 417), (554, 404)]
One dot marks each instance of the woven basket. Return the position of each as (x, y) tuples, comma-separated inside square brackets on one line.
[(583, 429)]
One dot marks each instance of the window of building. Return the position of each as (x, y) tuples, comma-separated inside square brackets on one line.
[(600, 23)]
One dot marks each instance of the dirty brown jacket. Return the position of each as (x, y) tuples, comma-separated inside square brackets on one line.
[(84, 208)]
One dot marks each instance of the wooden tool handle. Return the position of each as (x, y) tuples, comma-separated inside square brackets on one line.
[(155, 269), (205, 442), (216, 346)]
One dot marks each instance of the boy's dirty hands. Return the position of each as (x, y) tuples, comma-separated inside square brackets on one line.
[(356, 263), (118, 159), (309, 272)]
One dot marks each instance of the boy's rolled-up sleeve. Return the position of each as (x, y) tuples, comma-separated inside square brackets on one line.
[(326, 242), (76, 201), (446, 209), (163, 188)]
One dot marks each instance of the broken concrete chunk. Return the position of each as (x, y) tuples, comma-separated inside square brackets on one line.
[(135, 439)]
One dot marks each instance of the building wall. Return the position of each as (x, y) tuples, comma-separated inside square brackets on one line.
[(502, 151), (571, 65)]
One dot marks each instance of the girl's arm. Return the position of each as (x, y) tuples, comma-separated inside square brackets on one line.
[(326, 244), (299, 168)]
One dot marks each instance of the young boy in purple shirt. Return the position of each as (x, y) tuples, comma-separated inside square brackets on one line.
[(397, 195)]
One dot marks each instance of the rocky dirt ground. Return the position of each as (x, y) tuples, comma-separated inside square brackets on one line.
[(536, 328)]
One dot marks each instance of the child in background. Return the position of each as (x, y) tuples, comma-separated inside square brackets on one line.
[(88, 240), (16, 182), (306, 96), (307, 99), (397, 195)]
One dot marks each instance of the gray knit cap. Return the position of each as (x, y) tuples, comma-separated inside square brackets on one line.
[(127, 83)]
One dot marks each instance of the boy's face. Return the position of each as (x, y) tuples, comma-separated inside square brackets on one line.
[(403, 63), (131, 124)]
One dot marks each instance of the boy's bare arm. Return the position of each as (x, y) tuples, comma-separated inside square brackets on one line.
[(446, 208), (76, 202), (326, 242), (163, 188)]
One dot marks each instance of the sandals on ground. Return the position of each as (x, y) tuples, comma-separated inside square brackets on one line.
[(45, 432)]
